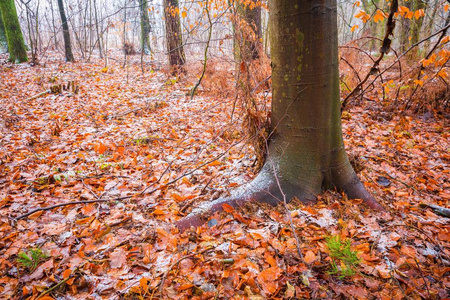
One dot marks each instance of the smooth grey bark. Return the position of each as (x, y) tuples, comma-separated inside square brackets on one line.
[(306, 153), (145, 27)]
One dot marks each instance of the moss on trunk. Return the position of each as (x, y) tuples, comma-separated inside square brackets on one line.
[(3, 40), (16, 44), (306, 152), (145, 27)]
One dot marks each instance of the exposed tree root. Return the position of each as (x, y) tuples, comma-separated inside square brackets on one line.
[(264, 189)]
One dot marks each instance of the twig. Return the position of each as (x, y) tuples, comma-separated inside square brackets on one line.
[(39, 95), (89, 189), (159, 179), (423, 277), (406, 52), (53, 287), (161, 284), (288, 212), (195, 169), (69, 203), (188, 203), (438, 42), (59, 283), (206, 51), (139, 193), (386, 46)]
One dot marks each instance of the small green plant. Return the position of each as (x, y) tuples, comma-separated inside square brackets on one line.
[(31, 258), (142, 141), (343, 259)]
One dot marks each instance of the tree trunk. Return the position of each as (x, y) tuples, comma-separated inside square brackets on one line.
[(405, 30), (306, 153), (173, 35), (416, 28), (249, 31), (145, 27), (3, 40), (66, 33), (99, 37), (16, 44)]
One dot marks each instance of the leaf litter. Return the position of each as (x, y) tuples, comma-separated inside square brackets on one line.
[(138, 142)]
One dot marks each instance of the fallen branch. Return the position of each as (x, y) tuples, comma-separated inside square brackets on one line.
[(39, 95), (439, 210)]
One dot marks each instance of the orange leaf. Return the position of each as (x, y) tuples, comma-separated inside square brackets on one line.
[(418, 82), (268, 279), (143, 282), (185, 286), (120, 149), (379, 16), (214, 163), (158, 212), (66, 273), (310, 257), (443, 74), (35, 215), (25, 291), (184, 14), (408, 251), (354, 27), (227, 208), (363, 16), (178, 198), (100, 148), (419, 13)]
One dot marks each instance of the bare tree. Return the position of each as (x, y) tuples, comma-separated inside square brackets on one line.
[(66, 33)]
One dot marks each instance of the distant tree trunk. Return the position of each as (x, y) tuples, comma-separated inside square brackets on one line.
[(173, 35), (368, 7), (405, 30), (33, 35), (99, 37), (14, 37), (3, 40), (55, 38), (66, 33), (251, 33), (417, 27), (145, 27), (306, 153), (429, 25)]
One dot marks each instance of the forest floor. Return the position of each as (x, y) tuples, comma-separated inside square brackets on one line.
[(141, 154)]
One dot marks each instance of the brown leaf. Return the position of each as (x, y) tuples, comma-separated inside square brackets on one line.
[(268, 279), (310, 257), (39, 272), (118, 258)]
